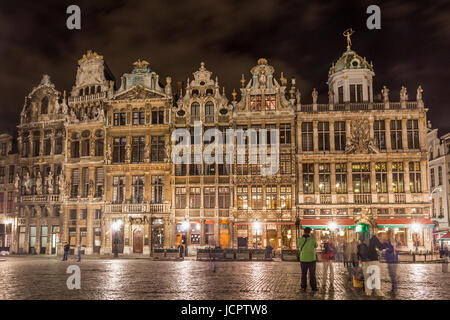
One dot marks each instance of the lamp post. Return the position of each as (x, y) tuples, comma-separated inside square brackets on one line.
[(116, 227)]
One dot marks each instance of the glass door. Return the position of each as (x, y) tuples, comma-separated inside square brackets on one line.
[(44, 238)]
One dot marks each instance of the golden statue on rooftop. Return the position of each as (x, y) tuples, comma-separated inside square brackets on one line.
[(140, 64), (348, 33)]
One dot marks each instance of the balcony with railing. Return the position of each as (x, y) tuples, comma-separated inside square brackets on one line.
[(137, 208), (89, 98), (363, 198), (359, 106), (400, 198), (40, 198)]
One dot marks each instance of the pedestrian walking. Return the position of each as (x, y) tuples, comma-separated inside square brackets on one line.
[(181, 250), (327, 258), (79, 252), (307, 245), (391, 256), (369, 257), (346, 254), (353, 248), (268, 252), (66, 251)]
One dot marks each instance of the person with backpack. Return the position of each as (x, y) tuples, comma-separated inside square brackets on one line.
[(307, 245), (327, 258)]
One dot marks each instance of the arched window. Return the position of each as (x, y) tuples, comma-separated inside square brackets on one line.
[(195, 111), (44, 105), (86, 91), (85, 143), (92, 89), (209, 112), (99, 89), (80, 93)]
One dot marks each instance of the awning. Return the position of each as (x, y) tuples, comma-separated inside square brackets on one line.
[(445, 237), (403, 223), (276, 223), (324, 223)]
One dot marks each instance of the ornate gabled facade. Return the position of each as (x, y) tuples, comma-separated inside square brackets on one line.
[(97, 168)]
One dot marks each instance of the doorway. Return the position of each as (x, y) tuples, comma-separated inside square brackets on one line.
[(55, 239), (138, 244), (44, 238)]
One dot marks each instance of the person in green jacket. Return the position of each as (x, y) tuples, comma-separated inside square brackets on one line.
[(307, 245)]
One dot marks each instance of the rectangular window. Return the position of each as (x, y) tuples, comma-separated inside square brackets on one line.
[(269, 101), (83, 214), (324, 178), (413, 134), (58, 145), (224, 169), (85, 147), (2, 175), (180, 198), (119, 149), (307, 136), (194, 197), (209, 112), (158, 117), (97, 214), (157, 189), (99, 146), (341, 178), (257, 197), (255, 103), (99, 178), (180, 169), (137, 195), (285, 197), (120, 118), (9, 204), (380, 134), (271, 197), (324, 136), (75, 149), (224, 198), (341, 94), (75, 183), (36, 144), (415, 184), (440, 176), (137, 149), (85, 183), (242, 197), (2, 202), (73, 214), (210, 169), (118, 189), (381, 177), (209, 197), (398, 184), (285, 164), (195, 112), (47, 145), (432, 179), (194, 169), (361, 177), (356, 93), (157, 148), (285, 133), (308, 178), (138, 118), (396, 135), (339, 135)]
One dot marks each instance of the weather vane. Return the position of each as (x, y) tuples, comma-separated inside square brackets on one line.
[(348, 33)]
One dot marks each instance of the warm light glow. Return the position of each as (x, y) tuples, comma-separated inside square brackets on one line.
[(184, 225), (358, 228), (257, 226), (395, 230), (416, 227), (116, 225), (341, 233), (332, 226)]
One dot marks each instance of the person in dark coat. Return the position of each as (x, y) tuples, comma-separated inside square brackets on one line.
[(181, 249), (391, 256), (66, 251), (368, 255)]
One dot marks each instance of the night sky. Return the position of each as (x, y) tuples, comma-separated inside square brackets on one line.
[(300, 38)]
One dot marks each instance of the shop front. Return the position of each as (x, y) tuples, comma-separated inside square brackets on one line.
[(5, 236), (409, 234), (340, 230), (444, 241)]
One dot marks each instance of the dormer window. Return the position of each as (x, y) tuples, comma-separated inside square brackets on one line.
[(269, 101), (44, 105), (209, 112), (255, 103), (195, 112), (195, 92), (209, 92), (120, 118)]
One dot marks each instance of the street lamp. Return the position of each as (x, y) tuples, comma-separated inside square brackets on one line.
[(435, 189), (416, 228), (116, 225), (257, 228)]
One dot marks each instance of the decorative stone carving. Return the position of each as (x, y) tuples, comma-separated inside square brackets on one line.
[(419, 93), (108, 153), (359, 140), (17, 182), (49, 182), (91, 188), (314, 96), (61, 183), (28, 183), (128, 151), (403, 94), (39, 183)]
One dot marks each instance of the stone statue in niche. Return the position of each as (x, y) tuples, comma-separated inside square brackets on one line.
[(359, 140), (17, 182), (39, 183), (128, 151), (385, 93), (61, 182), (49, 182), (262, 79), (314, 96), (330, 96)]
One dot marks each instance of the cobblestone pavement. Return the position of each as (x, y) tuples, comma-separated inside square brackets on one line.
[(41, 278)]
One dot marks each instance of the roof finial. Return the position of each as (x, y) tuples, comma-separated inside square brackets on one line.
[(348, 33), (242, 81)]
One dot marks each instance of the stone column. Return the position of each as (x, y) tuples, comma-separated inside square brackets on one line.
[(349, 182), (332, 146), (388, 135), (299, 137), (389, 182), (404, 135), (315, 137)]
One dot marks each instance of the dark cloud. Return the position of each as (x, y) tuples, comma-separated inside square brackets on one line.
[(300, 38)]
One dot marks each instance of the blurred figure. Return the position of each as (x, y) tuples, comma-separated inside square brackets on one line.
[(269, 250), (66, 251), (346, 248), (353, 248), (391, 255), (369, 257), (79, 252), (327, 260), (307, 245)]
